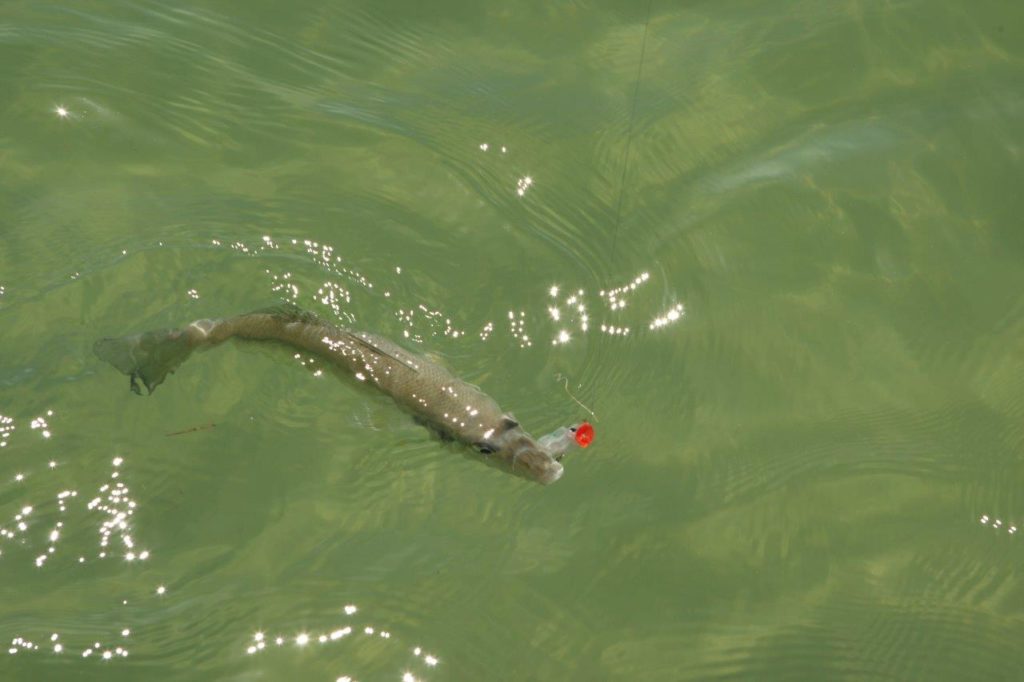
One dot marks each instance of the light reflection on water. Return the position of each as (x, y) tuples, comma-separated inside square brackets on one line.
[(44, 516), (43, 519), (266, 640), (997, 524), (113, 499), (114, 645), (563, 318)]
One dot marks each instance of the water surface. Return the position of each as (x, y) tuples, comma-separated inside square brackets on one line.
[(775, 248)]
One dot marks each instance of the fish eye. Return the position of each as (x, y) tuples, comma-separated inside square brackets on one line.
[(485, 449)]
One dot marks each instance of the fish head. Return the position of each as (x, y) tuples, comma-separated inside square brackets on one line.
[(517, 451)]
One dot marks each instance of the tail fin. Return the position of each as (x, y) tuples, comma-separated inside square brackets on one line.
[(148, 357)]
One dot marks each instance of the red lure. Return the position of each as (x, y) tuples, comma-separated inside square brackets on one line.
[(584, 434)]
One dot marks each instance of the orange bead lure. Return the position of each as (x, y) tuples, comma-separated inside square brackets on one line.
[(584, 434)]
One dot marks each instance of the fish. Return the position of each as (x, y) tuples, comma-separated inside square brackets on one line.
[(454, 409)]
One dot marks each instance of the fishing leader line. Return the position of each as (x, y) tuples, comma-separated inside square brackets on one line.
[(629, 128), (622, 177), (565, 380)]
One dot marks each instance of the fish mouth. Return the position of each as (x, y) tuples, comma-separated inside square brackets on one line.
[(538, 466), (553, 473)]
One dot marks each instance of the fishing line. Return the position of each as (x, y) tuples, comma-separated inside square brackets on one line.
[(622, 177), (629, 129), (558, 375)]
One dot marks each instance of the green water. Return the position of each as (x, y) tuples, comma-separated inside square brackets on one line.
[(808, 462)]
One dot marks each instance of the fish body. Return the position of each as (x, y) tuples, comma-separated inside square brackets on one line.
[(457, 410)]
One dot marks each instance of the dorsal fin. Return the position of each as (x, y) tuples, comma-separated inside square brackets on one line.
[(374, 348), (290, 313)]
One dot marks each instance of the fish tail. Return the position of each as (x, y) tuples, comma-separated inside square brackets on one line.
[(147, 357)]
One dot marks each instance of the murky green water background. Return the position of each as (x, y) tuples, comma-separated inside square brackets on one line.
[(813, 471)]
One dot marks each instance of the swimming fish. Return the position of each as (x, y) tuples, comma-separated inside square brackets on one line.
[(453, 408)]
